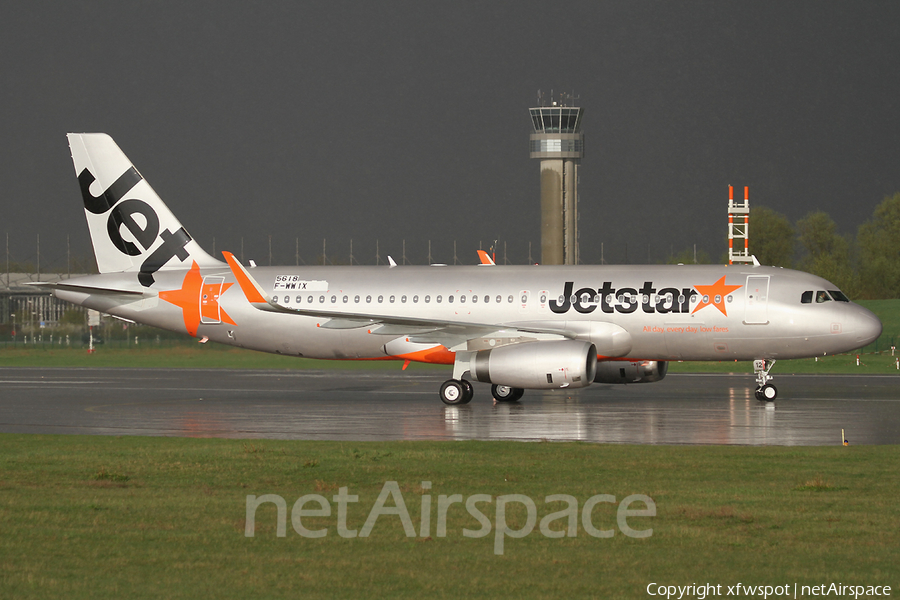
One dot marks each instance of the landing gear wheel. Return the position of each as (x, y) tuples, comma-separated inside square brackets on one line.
[(767, 393), (455, 392), (470, 391), (504, 393)]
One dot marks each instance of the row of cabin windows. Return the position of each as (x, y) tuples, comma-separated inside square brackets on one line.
[(633, 298), (823, 296), (585, 298), (391, 299)]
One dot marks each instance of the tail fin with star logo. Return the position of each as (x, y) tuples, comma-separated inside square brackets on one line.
[(132, 230)]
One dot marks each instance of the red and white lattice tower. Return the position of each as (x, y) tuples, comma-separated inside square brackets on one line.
[(739, 228)]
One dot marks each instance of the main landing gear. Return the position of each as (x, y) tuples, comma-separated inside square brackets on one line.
[(459, 391), (504, 393), (765, 391)]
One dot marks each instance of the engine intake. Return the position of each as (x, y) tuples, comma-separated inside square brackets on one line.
[(619, 371), (537, 365)]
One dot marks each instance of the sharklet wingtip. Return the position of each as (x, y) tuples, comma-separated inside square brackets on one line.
[(252, 290)]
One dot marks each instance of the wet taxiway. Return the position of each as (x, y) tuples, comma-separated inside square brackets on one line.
[(359, 405)]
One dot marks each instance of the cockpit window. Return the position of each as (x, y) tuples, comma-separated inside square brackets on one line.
[(838, 295), (806, 298), (822, 296)]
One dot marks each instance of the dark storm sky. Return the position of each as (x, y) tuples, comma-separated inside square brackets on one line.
[(409, 120)]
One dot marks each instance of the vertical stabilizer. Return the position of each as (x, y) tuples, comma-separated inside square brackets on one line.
[(132, 230)]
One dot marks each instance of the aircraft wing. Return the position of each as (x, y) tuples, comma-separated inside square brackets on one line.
[(448, 333)]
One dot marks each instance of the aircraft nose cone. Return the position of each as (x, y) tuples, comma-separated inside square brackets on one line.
[(866, 326)]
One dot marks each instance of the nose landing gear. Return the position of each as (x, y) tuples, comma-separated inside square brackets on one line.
[(765, 391)]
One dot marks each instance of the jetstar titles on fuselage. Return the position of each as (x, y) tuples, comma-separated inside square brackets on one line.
[(648, 298)]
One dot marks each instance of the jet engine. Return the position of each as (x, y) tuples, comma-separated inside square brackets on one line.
[(537, 365), (620, 371)]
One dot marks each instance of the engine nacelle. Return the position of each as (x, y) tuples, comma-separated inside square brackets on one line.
[(620, 371), (537, 365)]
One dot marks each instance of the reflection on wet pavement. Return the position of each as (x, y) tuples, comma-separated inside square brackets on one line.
[(353, 405)]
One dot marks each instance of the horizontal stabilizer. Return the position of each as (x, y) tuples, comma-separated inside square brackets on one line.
[(88, 289)]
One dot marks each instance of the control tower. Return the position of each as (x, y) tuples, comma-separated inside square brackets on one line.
[(559, 144)]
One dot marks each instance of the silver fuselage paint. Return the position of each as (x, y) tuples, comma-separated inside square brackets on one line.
[(767, 322)]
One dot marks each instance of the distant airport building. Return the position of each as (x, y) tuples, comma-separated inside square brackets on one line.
[(559, 144), (26, 306)]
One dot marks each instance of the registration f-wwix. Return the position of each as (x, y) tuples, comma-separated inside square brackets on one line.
[(515, 327)]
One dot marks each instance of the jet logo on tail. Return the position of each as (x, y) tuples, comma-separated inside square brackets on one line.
[(123, 212)]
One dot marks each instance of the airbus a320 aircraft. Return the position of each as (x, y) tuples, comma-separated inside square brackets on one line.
[(515, 327)]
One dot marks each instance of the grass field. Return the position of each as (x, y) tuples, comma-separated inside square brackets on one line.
[(140, 517)]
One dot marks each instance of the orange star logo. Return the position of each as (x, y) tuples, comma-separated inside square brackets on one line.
[(714, 294), (196, 298)]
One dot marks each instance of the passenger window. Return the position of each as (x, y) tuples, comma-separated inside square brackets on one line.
[(439, 298), (806, 298), (499, 299), (310, 299), (462, 298), (333, 299), (380, 299), (403, 298), (415, 299), (487, 298), (322, 299), (275, 299), (822, 296), (474, 298), (510, 299), (391, 300), (368, 299), (299, 299), (450, 299), (356, 298), (345, 299), (839, 295), (427, 299)]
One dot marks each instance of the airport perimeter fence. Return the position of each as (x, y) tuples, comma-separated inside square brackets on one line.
[(51, 341)]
